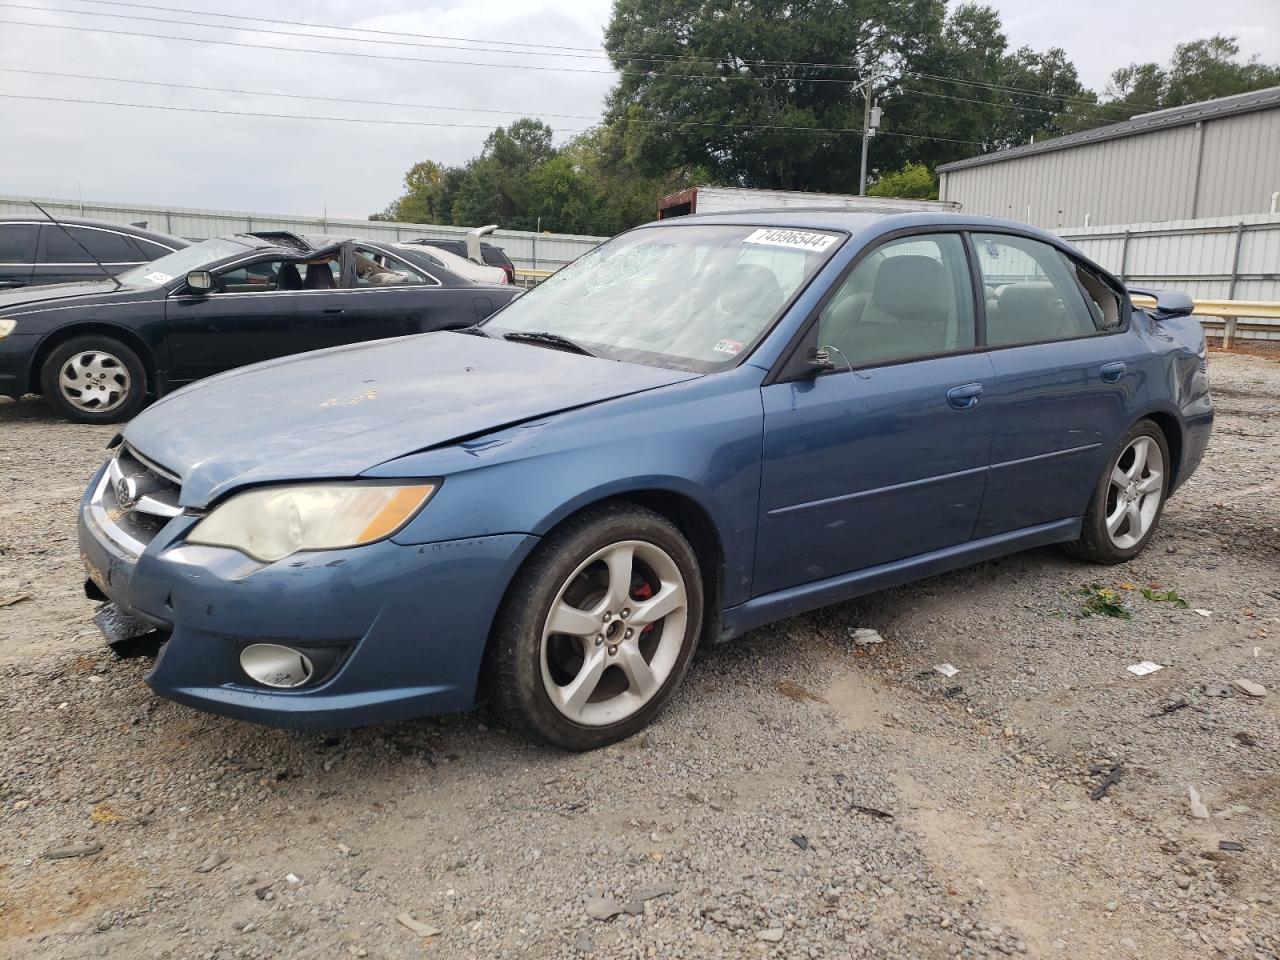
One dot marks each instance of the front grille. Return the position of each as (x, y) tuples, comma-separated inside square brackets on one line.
[(135, 499)]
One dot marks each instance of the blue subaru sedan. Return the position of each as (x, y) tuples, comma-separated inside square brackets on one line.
[(701, 426)]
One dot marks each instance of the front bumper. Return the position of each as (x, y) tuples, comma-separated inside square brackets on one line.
[(411, 620), (16, 352)]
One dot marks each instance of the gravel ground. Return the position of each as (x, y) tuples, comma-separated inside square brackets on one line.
[(802, 797)]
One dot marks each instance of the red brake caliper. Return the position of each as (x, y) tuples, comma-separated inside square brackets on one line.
[(643, 592)]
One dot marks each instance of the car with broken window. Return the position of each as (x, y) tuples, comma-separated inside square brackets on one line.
[(98, 348), (702, 426)]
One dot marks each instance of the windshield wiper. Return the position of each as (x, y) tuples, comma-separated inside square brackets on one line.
[(550, 339)]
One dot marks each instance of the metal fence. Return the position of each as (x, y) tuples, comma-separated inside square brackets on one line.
[(1223, 258), (534, 251)]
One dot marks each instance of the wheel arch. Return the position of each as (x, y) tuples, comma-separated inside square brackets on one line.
[(88, 328), (1171, 427), (685, 512)]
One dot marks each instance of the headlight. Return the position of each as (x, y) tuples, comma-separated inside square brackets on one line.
[(6, 326), (271, 523)]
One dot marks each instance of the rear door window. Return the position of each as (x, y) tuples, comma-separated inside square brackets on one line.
[(1031, 293), (18, 242)]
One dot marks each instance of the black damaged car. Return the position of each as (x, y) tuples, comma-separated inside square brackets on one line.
[(96, 350)]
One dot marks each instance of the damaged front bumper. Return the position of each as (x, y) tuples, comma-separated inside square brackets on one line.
[(406, 624)]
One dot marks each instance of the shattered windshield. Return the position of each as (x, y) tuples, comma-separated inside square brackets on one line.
[(181, 262), (692, 297)]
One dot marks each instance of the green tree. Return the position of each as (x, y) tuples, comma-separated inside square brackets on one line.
[(423, 199), (915, 181), (735, 106), (1199, 70)]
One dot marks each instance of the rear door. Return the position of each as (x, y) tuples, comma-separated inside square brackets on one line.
[(885, 456), (1066, 368), (17, 253)]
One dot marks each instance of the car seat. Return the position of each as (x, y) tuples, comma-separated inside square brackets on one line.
[(288, 278), (905, 315), (319, 277)]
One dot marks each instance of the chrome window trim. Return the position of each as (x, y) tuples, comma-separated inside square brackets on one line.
[(85, 226), (19, 309)]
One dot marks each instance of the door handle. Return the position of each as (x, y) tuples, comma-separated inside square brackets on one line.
[(1111, 372), (333, 310), (964, 396)]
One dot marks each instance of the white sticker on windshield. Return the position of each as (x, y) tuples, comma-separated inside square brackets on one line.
[(159, 277), (796, 239), (731, 347)]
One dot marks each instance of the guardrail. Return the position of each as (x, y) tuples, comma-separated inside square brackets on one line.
[(528, 279), (1223, 317)]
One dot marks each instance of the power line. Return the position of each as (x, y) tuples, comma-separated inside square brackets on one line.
[(1024, 91), (1004, 106), (428, 123), (555, 50), (551, 49), (565, 50), (403, 59), (287, 33), (417, 106), (249, 113)]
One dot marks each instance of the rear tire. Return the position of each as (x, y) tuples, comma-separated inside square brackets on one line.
[(1128, 500), (94, 379), (598, 628)]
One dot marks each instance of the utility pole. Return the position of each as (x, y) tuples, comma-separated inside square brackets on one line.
[(870, 123)]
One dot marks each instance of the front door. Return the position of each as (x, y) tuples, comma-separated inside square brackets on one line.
[(885, 456), (1066, 368), (259, 310)]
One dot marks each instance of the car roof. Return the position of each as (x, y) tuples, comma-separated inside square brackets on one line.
[(865, 228), (858, 222), (129, 228)]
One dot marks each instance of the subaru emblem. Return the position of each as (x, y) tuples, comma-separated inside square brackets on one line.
[(126, 493)]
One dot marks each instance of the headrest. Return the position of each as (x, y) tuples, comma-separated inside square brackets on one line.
[(1027, 299), (911, 288), (749, 283)]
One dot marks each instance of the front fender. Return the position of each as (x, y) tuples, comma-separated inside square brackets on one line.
[(700, 440)]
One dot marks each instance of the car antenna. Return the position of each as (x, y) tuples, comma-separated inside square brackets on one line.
[(111, 276)]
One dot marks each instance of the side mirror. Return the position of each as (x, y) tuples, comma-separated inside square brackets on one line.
[(200, 281), (1167, 303), (819, 362)]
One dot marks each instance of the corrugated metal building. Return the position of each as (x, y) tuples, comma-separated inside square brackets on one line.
[(1213, 159)]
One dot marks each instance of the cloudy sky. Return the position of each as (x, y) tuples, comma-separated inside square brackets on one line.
[(55, 148)]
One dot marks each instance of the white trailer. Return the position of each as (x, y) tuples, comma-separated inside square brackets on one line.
[(726, 199)]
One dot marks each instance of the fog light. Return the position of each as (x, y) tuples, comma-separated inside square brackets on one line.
[(273, 665)]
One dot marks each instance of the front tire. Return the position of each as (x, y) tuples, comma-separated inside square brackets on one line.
[(94, 379), (1128, 500), (598, 628)]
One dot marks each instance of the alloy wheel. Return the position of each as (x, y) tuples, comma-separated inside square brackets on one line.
[(94, 381), (1134, 493), (614, 633)]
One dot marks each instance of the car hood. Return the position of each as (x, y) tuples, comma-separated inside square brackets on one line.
[(336, 413), (11, 300)]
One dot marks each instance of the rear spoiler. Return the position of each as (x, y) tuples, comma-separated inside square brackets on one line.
[(1168, 303)]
